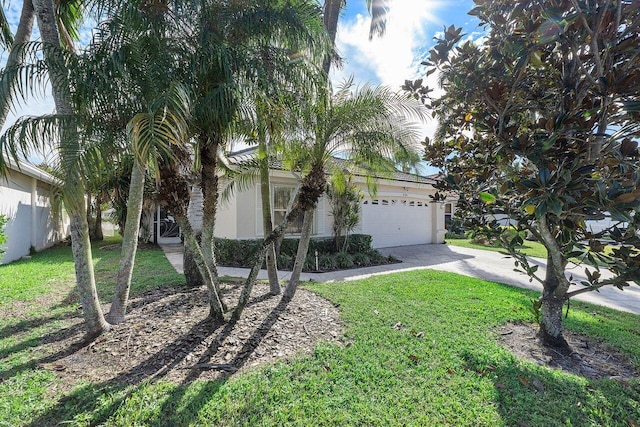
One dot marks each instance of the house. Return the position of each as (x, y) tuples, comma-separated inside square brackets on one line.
[(26, 194), (400, 213)]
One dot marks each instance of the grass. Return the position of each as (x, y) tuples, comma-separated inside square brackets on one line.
[(532, 249), (386, 376)]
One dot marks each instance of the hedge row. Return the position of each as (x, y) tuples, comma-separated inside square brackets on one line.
[(239, 253)]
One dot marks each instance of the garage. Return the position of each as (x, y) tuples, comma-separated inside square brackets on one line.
[(396, 221)]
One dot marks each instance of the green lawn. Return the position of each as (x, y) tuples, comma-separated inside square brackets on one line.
[(386, 376), (532, 249)]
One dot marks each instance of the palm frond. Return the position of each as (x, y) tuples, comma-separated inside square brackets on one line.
[(6, 36)]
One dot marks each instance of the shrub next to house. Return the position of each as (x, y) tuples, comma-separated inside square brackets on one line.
[(238, 253)]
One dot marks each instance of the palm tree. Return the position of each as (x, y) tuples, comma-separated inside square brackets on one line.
[(368, 127), (135, 49), (237, 45), (74, 182)]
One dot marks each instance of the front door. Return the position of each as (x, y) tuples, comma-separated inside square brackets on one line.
[(167, 230)]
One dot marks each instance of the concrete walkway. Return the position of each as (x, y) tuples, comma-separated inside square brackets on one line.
[(486, 265)]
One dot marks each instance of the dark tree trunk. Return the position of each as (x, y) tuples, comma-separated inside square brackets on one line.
[(97, 224), (191, 271), (551, 310), (209, 185)]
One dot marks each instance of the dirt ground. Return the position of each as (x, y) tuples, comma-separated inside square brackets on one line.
[(166, 336), (588, 358)]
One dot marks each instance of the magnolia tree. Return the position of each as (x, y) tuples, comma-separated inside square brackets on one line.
[(539, 123)]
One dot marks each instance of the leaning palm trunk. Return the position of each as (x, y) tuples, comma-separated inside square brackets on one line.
[(174, 191), (301, 255), (129, 245), (73, 186), (312, 188), (216, 307), (267, 225), (23, 35)]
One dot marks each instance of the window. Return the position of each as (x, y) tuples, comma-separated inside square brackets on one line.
[(281, 197), (448, 218)]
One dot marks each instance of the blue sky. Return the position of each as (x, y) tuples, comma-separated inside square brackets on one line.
[(389, 60)]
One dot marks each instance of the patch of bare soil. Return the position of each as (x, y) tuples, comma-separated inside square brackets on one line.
[(166, 335), (588, 358)]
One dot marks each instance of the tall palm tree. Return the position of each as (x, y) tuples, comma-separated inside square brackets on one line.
[(74, 185), (135, 49), (368, 127), (231, 44)]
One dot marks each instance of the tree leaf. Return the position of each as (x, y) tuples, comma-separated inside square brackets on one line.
[(488, 198)]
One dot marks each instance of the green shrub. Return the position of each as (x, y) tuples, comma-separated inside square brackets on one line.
[(376, 257), (327, 262), (289, 247), (361, 260), (323, 246), (344, 260), (455, 235), (309, 263), (359, 244), (285, 262)]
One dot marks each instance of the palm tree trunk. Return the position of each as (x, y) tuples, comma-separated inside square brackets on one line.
[(23, 35), (216, 306), (331, 15), (312, 187), (97, 225), (129, 245), (267, 225), (73, 187), (209, 159), (301, 255)]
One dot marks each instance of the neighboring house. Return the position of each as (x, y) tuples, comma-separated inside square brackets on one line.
[(26, 199), (400, 213)]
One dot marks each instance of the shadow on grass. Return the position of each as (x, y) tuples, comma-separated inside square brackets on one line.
[(178, 408), (530, 395)]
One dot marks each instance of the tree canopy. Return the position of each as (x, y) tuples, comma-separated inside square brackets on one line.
[(539, 124)]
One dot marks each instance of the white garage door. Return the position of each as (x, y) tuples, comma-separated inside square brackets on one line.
[(396, 222)]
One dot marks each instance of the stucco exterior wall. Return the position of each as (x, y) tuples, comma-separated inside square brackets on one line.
[(26, 200)]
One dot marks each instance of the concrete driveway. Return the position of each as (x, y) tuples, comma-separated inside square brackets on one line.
[(486, 265)]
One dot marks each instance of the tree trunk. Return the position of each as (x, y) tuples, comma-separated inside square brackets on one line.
[(216, 308), (301, 255), (190, 267), (23, 35), (95, 322), (331, 15), (551, 310), (129, 245), (73, 186), (209, 184), (97, 224), (267, 224), (312, 187)]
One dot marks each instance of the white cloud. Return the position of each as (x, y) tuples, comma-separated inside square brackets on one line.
[(394, 57)]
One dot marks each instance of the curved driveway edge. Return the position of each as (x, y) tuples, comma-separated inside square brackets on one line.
[(485, 265)]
